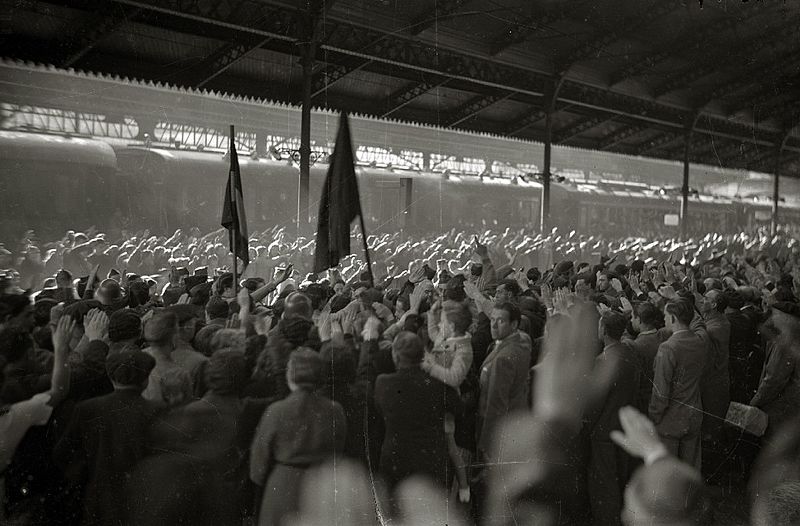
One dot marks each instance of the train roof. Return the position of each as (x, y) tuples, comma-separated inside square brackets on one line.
[(39, 147)]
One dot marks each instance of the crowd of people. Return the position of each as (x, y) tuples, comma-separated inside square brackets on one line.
[(498, 378)]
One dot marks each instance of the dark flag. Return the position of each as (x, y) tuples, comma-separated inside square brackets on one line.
[(233, 217), (339, 204)]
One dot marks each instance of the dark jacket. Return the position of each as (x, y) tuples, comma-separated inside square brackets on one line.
[(779, 391), (413, 406), (105, 439), (503, 384), (715, 385), (645, 347), (603, 416), (295, 433)]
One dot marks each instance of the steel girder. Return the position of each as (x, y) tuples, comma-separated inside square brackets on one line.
[(572, 130), (602, 38), (442, 9), (402, 97), (722, 58)]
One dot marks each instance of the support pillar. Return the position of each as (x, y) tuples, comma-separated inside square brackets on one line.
[(687, 137), (309, 52), (551, 95), (776, 185)]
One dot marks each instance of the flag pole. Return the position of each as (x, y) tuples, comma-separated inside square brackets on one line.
[(366, 248), (231, 234)]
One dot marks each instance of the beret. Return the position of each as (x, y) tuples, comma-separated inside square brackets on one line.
[(124, 324), (129, 367)]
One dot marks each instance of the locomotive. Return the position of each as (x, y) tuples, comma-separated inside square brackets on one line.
[(52, 183)]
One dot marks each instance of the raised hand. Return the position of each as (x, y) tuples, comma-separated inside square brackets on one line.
[(62, 334), (547, 296), (627, 307), (568, 379), (262, 324), (372, 329), (383, 312), (638, 436), (95, 325), (617, 284), (184, 299)]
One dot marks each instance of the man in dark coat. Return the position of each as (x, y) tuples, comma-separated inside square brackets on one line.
[(504, 374), (609, 466), (645, 320), (676, 407), (413, 406), (106, 438)]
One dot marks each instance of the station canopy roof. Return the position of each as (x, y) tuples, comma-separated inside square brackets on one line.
[(629, 76)]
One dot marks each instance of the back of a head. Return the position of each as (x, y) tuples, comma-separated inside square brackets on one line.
[(226, 372), (298, 305), (407, 349), (305, 369), (217, 308), (667, 492), (123, 325), (681, 309), (161, 328), (109, 291), (129, 367), (649, 314), (614, 324)]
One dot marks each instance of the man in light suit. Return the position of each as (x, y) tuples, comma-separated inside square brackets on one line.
[(676, 406)]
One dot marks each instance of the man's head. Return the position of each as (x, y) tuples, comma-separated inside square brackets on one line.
[(712, 283), (504, 320), (646, 316), (64, 279), (217, 309), (124, 326), (603, 282), (161, 329), (713, 301), (612, 326), (785, 317), (130, 369), (508, 290), (224, 286), (17, 310), (407, 350), (109, 292), (297, 305), (186, 316), (304, 370), (678, 314)]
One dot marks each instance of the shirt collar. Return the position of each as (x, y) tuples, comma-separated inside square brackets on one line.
[(651, 331)]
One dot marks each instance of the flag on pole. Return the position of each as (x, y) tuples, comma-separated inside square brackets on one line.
[(233, 217), (339, 204)]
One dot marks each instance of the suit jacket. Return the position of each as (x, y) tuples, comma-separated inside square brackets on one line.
[(603, 417), (503, 384), (645, 347), (676, 406), (413, 406), (746, 357), (107, 437), (715, 386), (779, 391)]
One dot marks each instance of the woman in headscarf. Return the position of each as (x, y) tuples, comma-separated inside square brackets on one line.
[(295, 433)]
